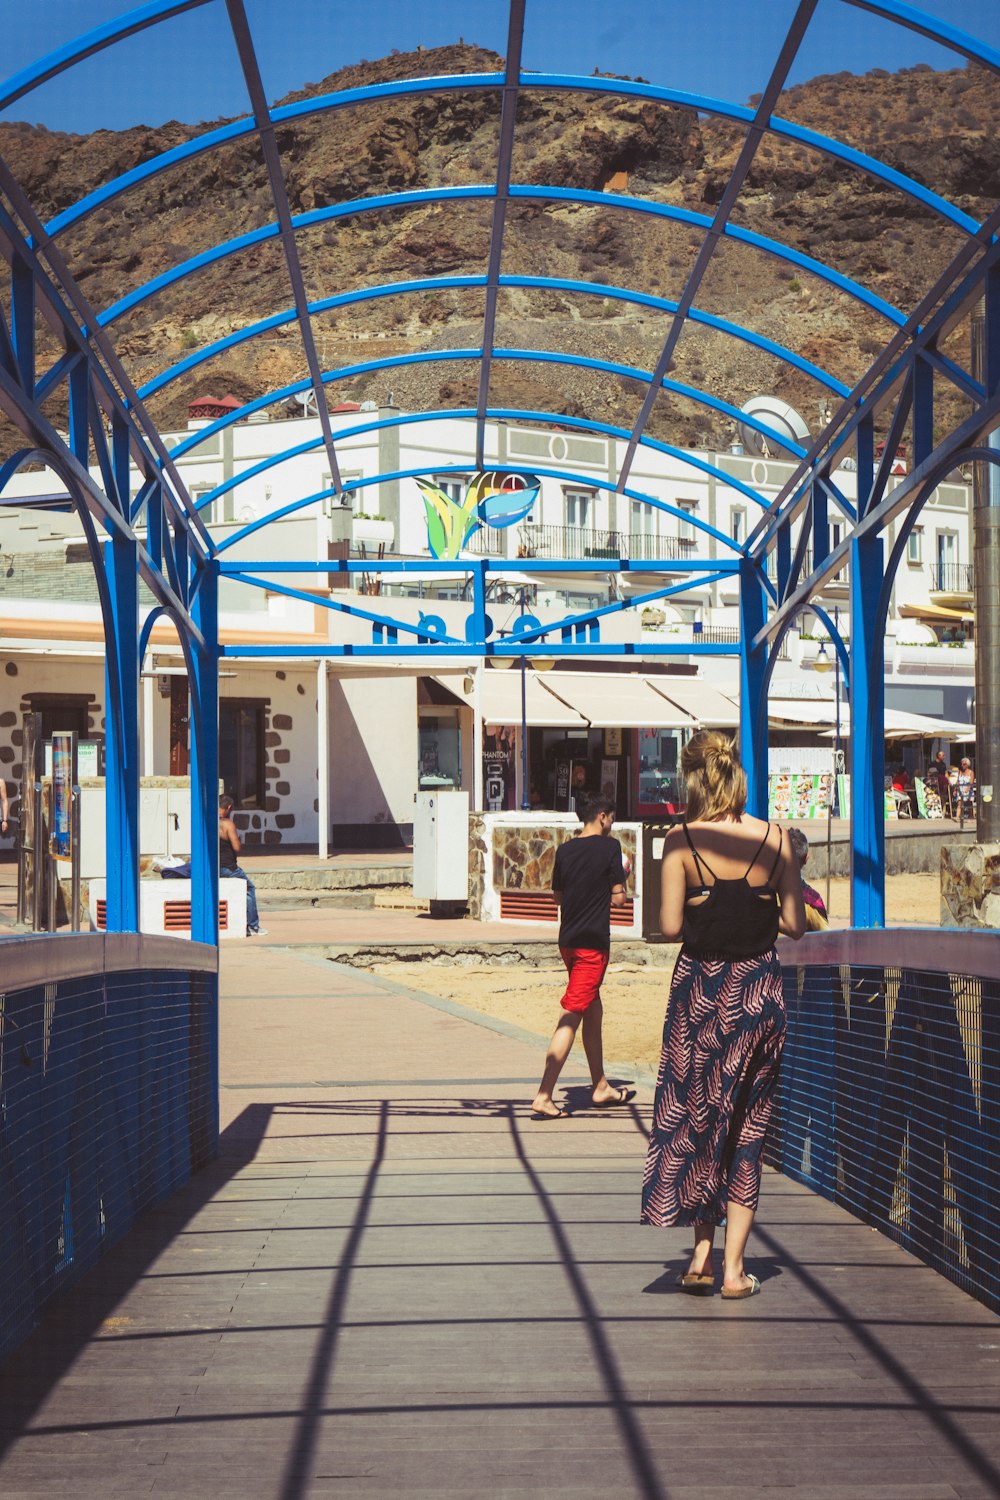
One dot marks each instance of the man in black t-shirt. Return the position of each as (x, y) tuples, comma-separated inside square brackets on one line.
[(588, 879)]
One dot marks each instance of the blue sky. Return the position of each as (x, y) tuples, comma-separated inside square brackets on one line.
[(187, 69)]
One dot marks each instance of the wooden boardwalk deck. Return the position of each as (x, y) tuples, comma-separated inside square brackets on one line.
[(392, 1284)]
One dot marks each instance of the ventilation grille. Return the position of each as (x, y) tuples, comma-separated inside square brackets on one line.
[(539, 906), (176, 915)]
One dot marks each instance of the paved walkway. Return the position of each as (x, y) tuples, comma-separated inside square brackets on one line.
[(392, 1284)]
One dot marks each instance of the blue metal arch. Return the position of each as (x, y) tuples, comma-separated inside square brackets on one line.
[(497, 413), (572, 475), (540, 356), (533, 193), (697, 103), (453, 283)]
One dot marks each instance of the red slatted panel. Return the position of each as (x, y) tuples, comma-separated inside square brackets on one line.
[(538, 906), (177, 915)]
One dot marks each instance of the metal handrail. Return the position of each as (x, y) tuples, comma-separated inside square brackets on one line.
[(951, 578), (942, 950)]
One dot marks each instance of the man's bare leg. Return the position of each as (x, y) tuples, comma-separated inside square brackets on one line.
[(739, 1220), (559, 1049), (593, 1045)]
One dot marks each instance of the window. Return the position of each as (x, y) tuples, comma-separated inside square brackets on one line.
[(62, 712), (836, 534), (241, 749), (578, 507), (947, 560), (643, 519), (686, 533), (915, 546), (440, 750), (221, 512), (452, 485), (738, 525)]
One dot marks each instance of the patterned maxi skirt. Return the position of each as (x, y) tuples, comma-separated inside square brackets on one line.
[(722, 1042)]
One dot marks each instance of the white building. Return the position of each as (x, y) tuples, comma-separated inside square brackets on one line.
[(387, 727)]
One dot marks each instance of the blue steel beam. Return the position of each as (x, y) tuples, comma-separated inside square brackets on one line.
[(510, 414), (465, 652), (279, 196), (522, 192), (951, 297), (700, 104), (58, 300), (753, 688), (505, 151), (536, 356), (719, 225), (452, 283), (430, 567), (572, 475), (477, 570)]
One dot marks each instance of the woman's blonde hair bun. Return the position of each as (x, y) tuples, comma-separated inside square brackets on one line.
[(716, 782)]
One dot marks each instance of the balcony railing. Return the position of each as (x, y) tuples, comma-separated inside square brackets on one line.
[(950, 578), (577, 544)]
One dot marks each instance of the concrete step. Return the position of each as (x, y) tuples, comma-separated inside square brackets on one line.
[(400, 899), (335, 877)]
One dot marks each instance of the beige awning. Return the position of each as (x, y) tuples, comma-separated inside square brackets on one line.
[(702, 702), (936, 612), (500, 699), (617, 700)]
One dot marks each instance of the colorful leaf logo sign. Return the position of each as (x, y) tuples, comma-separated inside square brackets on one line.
[(491, 499)]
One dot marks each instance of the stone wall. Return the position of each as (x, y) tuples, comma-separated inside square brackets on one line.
[(478, 846), (970, 885), (524, 856)]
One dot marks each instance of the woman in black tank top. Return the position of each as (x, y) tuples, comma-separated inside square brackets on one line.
[(730, 883)]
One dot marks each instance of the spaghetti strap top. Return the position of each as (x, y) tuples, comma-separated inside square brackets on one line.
[(737, 919)]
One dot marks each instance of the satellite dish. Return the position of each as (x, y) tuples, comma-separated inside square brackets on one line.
[(307, 401), (784, 419)]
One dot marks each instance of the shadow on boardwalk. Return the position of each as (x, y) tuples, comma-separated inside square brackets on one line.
[(410, 1289)]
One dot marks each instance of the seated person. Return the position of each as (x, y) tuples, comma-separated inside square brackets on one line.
[(817, 918)]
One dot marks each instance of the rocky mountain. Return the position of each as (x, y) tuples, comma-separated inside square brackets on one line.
[(941, 128)]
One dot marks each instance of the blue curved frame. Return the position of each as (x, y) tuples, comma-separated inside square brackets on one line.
[(533, 193), (458, 283), (496, 413), (911, 362), (697, 103)]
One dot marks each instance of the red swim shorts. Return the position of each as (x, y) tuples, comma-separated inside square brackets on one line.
[(586, 968)]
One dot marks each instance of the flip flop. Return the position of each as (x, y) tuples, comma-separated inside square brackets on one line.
[(537, 1114), (624, 1096), (746, 1291)]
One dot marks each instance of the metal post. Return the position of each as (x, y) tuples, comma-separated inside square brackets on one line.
[(121, 759), (76, 914), (986, 577), (525, 791), (867, 689), (323, 756), (478, 791), (205, 762), (753, 697)]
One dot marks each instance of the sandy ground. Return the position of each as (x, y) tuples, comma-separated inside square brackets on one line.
[(634, 997)]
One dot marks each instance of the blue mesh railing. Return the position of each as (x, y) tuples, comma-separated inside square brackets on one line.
[(108, 1100), (890, 1091)]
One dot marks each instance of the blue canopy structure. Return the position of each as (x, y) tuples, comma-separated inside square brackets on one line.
[(780, 575)]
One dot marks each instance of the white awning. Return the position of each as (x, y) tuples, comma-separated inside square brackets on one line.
[(500, 699), (702, 702), (617, 700)]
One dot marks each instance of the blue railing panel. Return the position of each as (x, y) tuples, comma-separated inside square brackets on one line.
[(108, 1084), (889, 1101)]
